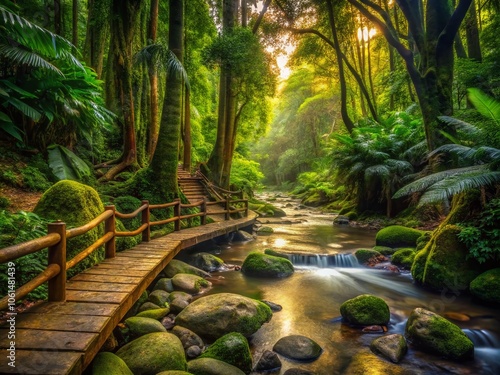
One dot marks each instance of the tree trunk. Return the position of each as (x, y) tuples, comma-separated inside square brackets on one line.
[(57, 17), (98, 27), (154, 125), (472, 34), (187, 132), (74, 38), (164, 163)]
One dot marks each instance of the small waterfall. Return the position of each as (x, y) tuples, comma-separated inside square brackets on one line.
[(482, 338), (324, 260)]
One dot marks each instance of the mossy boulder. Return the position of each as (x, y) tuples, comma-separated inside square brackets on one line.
[(443, 264), (188, 283), (366, 255), (233, 349), (179, 300), (139, 326), (266, 209), (153, 353), (384, 250), (365, 310), (275, 253), (404, 257), (177, 266), (434, 334), (75, 204), (159, 297), (263, 265), (298, 347), (215, 315), (398, 236), (392, 347), (206, 261), (486, 286), (165, 284), (265, 231), (148, 306), (154, 313), (106, 363), (212, 366)]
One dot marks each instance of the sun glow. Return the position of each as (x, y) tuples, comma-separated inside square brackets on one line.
[(364, 34)]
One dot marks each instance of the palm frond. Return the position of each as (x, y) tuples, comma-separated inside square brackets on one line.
[(485, 105), (460, 125), (18, 55)]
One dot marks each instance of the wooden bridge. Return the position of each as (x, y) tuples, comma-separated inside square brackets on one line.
[(62, 335)]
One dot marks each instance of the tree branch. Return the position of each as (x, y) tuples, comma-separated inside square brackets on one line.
[(413, 15), (448, 35), (261, 16)]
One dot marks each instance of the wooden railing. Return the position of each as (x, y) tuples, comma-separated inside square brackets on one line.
[(57, 236)]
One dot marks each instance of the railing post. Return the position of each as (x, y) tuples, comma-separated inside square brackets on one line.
[(226, 214), (177, 214), (146, 234), (204, 210), (110, 226), (57, 255)]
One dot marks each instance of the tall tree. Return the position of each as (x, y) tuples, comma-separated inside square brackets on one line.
[(154, 125), (97, 34)]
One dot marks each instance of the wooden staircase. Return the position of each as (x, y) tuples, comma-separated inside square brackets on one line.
[(191, 186)]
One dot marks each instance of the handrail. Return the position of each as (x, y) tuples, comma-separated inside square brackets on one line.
[(56, 241)]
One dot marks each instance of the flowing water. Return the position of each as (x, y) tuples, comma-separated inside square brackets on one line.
[(327, 275)]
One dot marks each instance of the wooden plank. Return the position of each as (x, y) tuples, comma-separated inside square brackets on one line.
[(91, 296), (116, 270), (103, 287), (59, 322), (53, 340), (75, 308), (126, 266), (107, 278), (131, 254), (44, 362), (130, 262)]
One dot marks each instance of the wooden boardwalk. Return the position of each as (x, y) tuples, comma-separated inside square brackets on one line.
[(64, 337)]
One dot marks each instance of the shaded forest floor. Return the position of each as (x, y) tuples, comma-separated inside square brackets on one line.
[(20, 199)]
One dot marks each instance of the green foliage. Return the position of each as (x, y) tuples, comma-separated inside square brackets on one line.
[(66, 165), (17, 228), (404, 257), (245, 175), (486, 286), (482, 237), (34, 180), (365, 255)]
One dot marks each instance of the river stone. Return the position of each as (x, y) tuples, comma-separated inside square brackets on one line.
[(148, 306), (265, 231), (159, 297), (274, 306), (207, 262), (242, 236), (268, 361), (262, 265), (140, 326), (106, 363), (157, 314), (176, 266), (188, 283), (165, 284), (179, 300), (211, 366), (365, 310), (298, 347), (215, 315), (153, 353), (393, 347), (368, 363), (436, 335), (136, 306), (193, 352), (233, 349), (188, 337)]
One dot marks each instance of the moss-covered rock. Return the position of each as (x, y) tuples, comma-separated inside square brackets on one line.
[(443, 264), (75, 204), (106, 363), (275, 253), (135, 307), (159, 297), (366, 255), (266, 209), (139, 326), (434, 334), (154, 313), (165, 284), (365, 310), (148, 306), (384, 250), (206, 261), (153, 353), (264, 231), (298, 347), (486, 286), (188, 283), (398, 236), (263, 265), (215, 315), (177, 266), (233, 349), (404, 257), (212, 366)]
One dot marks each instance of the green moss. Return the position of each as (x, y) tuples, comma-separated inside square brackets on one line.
[(233, 349), (275, 253), (34, 180), (75, 204), (252, 324), (139, 326), (265, 209), (404, 257), (262, 265), (423, 240), (486, 286), (384, 250), (365, 310), (106, 363), (398, 236), (154, 313), (364, 255)]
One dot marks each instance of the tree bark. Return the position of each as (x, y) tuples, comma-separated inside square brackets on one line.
[(57, 17), (74, 38), (472, 34), (98, 27), (154, 125)]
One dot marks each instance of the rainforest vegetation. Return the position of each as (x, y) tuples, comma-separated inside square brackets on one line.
[(366, 108)]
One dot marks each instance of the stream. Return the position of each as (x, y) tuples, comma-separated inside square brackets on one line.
[(327, 277)]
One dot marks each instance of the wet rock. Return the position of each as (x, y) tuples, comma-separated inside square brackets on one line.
[(365, 310), (268, 361), (157, 314), (176, 266), (341, 220), (242, 236), (188, 338), (168, 322), (263, 265), (211, 366), (193, 352), (368, 256), (215, 315), (159, 351), (189, 283), (393, 347), (404, 257), (159, 297), (233, 349), (139, 326), (207, 262), (486, 286), (179, 300), (106, 363), (164, 284), (434, 334), (298, 347), (274, 306), (373, 329), (265, 230)]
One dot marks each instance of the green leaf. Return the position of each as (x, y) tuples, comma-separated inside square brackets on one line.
[(65, 164), (485, 105), (11, 129)]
